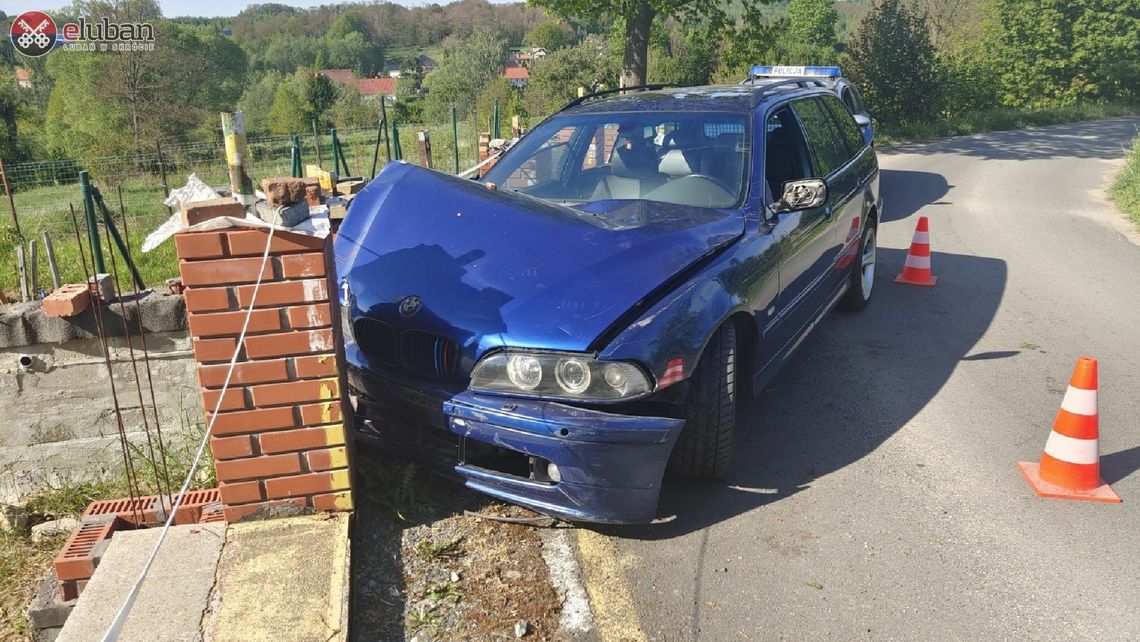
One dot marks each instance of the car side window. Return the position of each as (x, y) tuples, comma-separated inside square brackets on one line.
[(846, 123), (828, 148), (785, 151)]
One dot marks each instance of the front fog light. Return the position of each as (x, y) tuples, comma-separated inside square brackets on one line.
[(573, 375), (615, 377), (524, 371), (553, 473)]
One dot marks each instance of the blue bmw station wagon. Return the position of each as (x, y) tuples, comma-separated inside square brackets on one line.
[(589, 313)]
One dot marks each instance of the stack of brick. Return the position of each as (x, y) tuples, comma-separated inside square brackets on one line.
[(279, 437)]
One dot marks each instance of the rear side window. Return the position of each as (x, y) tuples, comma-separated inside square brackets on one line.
[(846, 124), (828, 149), (853, 100)]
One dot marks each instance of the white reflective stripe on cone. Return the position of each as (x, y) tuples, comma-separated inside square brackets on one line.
[(1079, 401), (918, 262), (921, 237), (1073, 451)]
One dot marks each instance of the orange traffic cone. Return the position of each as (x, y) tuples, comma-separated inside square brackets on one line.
[(916, 270), (1070, 465)]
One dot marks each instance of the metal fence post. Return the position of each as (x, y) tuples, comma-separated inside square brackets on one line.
[(295, 157), (317, 140), (495, 121), (455, 136), (11, 201), (396, 153), (384, 126), (162, 172), (92, 229)]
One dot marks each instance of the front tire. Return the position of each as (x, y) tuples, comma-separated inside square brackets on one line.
[(862, 279), (703, 448)]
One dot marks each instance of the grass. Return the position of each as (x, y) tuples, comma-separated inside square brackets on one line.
[(1126, 190), (997, 119), (23, 565)]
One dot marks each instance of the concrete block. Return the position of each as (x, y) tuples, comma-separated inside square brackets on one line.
[(54, 528), (47, 610), (287, 215), (283, 190), (201, 211), (68, 301), (102, 287)]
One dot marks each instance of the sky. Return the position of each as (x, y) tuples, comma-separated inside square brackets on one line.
[(175, 8)]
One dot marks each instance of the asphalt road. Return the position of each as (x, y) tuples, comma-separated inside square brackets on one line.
[(873, 493)]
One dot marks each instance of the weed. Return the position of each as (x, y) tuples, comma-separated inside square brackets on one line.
[(430, 550), (998, 119), (816, 585), (1126, 189), (1025, 345), (22, 567), (445, 592), (69, 496), (425, 618)]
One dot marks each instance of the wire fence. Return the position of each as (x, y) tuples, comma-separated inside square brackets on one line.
[(43, 192)]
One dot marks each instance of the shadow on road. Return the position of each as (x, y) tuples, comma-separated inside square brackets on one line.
[(852, 385), (1116, 466), (1091, 139), (907, 192)]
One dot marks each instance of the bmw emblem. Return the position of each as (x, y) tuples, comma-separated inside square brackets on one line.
[(410, 305)]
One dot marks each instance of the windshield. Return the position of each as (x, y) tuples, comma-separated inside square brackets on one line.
[(686, 158)]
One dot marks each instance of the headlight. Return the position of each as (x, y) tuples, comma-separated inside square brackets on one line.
[(558, 376)]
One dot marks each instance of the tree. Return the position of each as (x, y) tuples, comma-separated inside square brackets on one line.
[(1054, 52), (556, 81), (352, 110), (550, 34), (892, 61), (348, 44), (289, 113), (467, 66), (10, 104), (319, 93), (257, 100), (637, 17), (812, 22)]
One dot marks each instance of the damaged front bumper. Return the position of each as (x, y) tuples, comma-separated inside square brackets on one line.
[(607, 467)]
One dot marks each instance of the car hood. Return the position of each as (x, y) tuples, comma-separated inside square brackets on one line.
[(496, 268)]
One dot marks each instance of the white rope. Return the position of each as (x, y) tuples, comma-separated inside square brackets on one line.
[(493, 157), (116, 627)]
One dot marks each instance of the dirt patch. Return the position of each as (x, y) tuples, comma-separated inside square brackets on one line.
[(423, 570)]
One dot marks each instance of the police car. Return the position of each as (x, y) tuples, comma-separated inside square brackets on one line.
[(831, 77)]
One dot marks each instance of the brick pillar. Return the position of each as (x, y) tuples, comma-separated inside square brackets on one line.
[(279, 437)]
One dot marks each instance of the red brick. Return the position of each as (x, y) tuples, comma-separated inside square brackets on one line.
[(301, 439), (244, 373), (214, 349), (241, 492), (276, 394), (289, 343), (303, 266), (315, 366), (231, 447), (326, 412), (309, 316), (200, 245), (213, 324), (284, 293), (201, 211), (207, 299), (235, 513), (333, 501), (327, 458), (68, 301), (234, 400), (258, 467), (243, 421), (309, 484), (223, 271), (252, 243), (313, 195)]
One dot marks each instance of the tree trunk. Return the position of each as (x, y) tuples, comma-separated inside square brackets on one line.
[(637, 25)]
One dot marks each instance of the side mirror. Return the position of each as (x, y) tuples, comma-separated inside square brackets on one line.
[(803, 194), (862, 120)]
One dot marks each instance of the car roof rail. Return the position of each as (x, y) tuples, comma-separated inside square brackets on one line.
[(802, 82), (581, 99)]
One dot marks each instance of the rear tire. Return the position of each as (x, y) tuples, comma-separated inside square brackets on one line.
[(703, 449), (862, 279)]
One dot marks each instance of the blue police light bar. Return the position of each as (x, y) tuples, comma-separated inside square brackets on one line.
[(784, 71)]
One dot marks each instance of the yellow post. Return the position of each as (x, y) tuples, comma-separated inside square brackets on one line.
[(237, 157)]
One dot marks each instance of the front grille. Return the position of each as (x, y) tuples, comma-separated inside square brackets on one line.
[(427, 354), (377, 339)]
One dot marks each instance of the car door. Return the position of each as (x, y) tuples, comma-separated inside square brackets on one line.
[(804, 239)]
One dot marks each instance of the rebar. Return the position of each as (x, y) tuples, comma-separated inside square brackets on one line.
[(128, 464), (146, 354)]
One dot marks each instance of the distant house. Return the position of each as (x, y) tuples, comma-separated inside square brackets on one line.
[(426, 62), (516, 74), (24, 78), (368, 87), (526, 55)]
